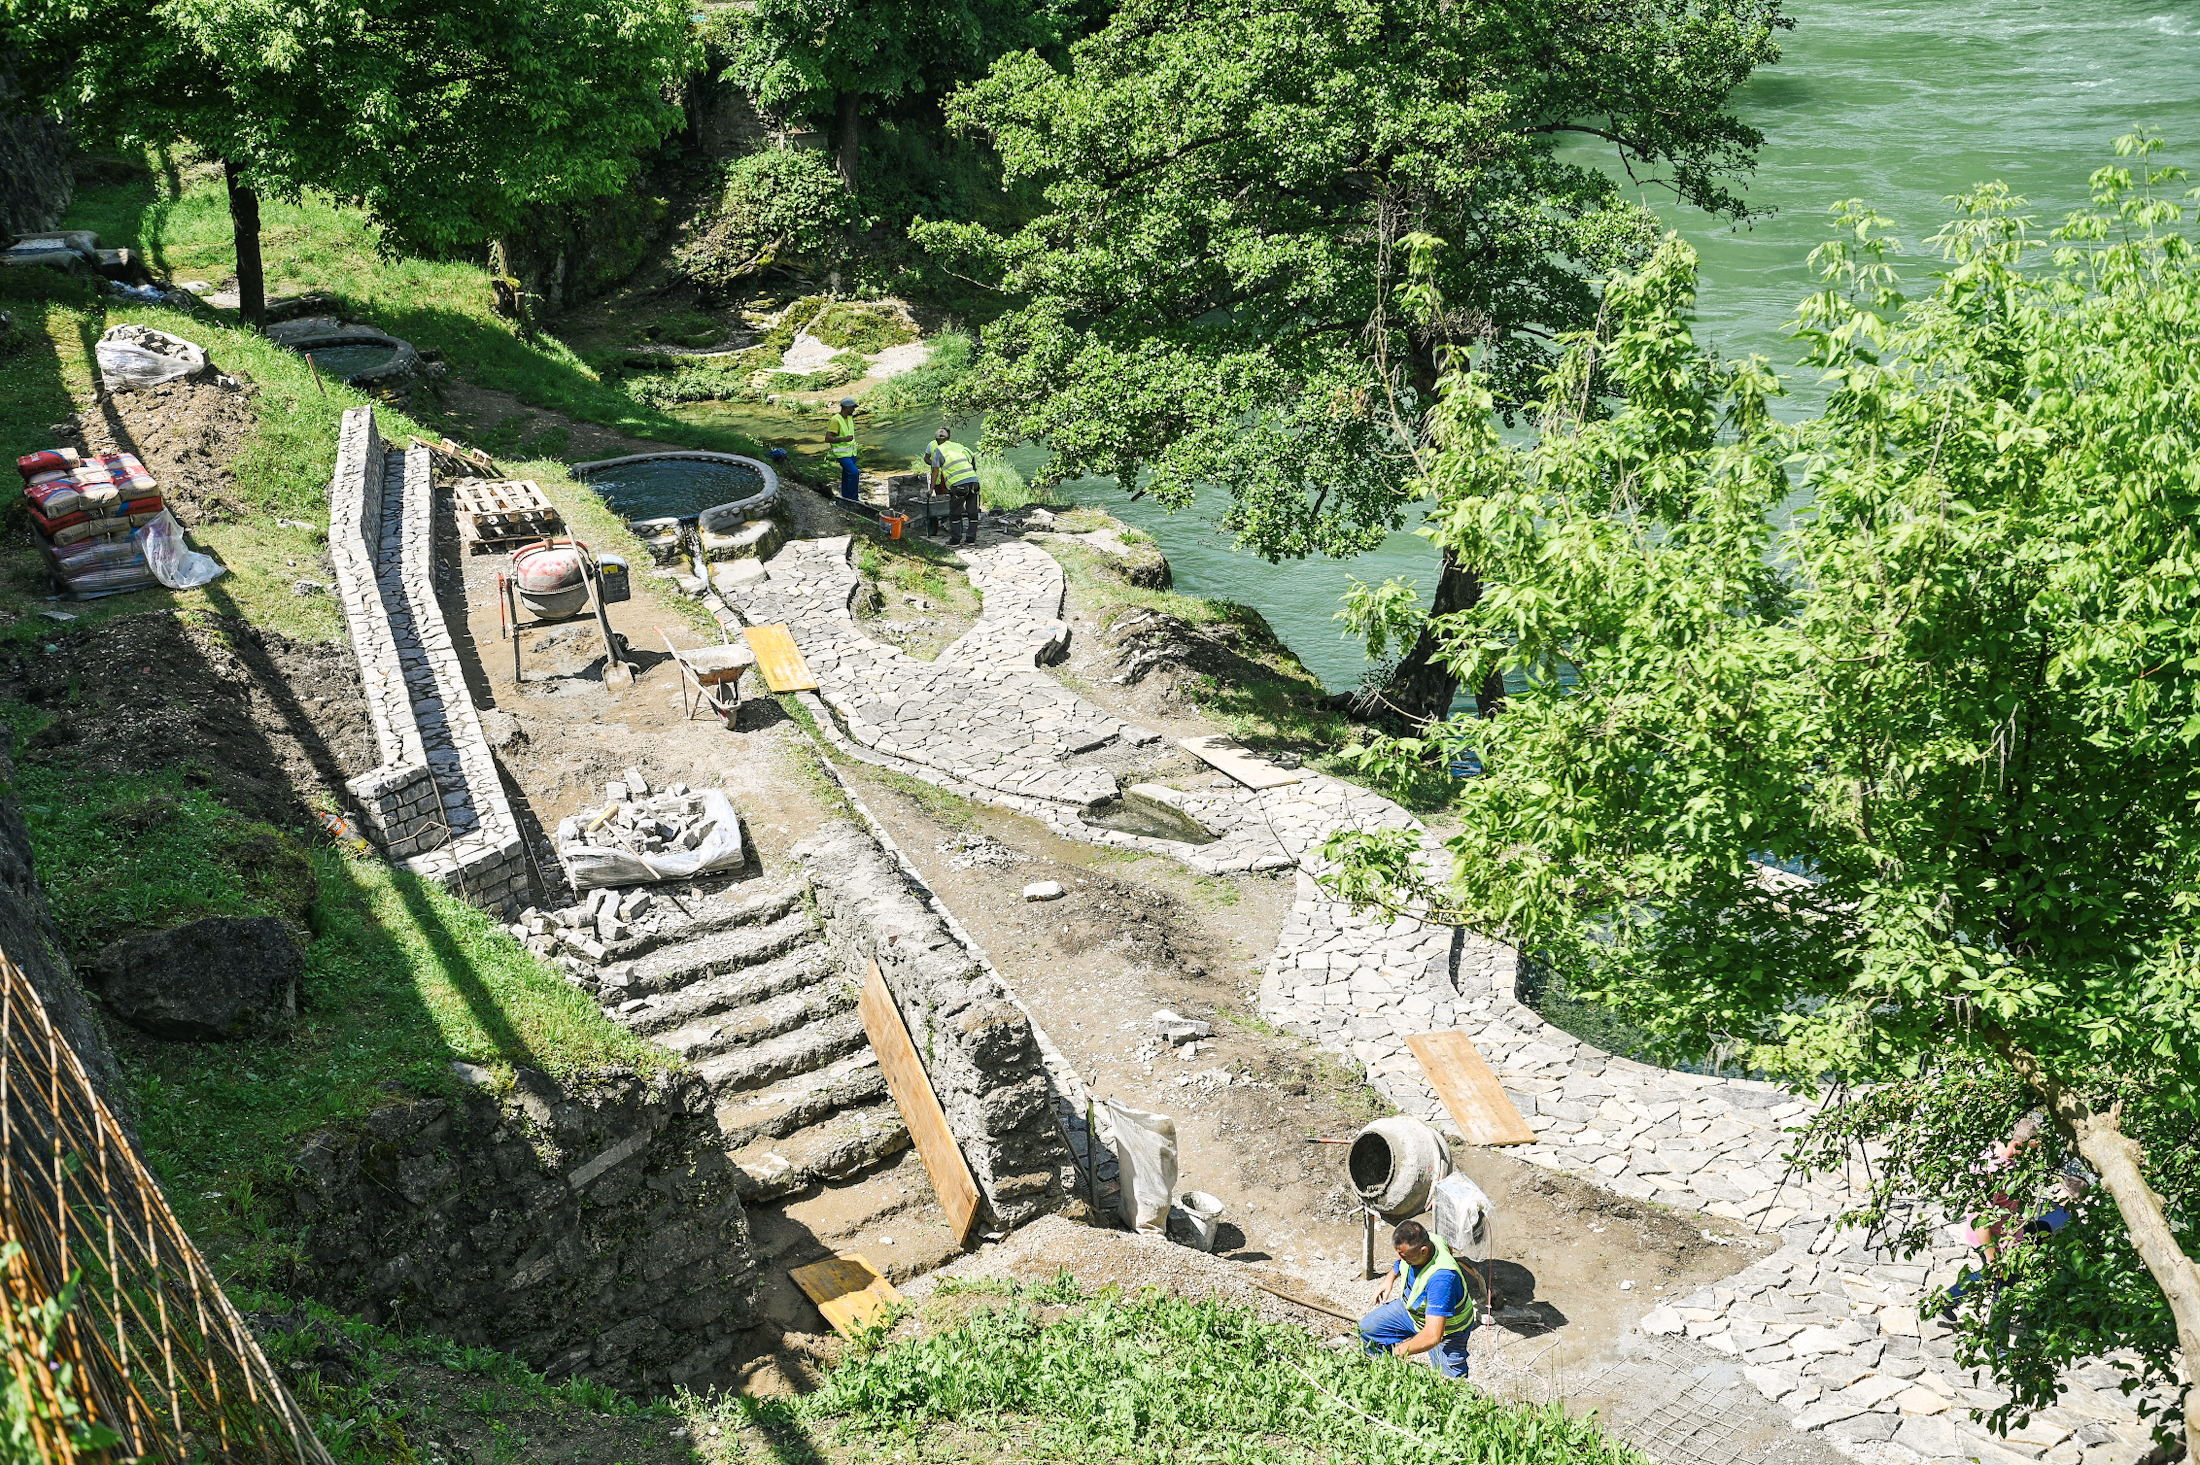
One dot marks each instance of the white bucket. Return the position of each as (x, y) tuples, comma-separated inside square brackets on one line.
[(1202, 1214)]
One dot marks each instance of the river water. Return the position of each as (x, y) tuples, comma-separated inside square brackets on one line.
[(1899, 104)]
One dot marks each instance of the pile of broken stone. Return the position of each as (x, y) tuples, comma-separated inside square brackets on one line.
[(587, 930), (641, 823)]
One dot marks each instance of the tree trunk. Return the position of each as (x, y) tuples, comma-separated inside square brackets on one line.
[(850, 138), (1422, 686), (244, 218), (2121, 1165)]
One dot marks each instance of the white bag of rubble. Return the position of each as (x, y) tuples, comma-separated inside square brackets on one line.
[(133, 357), (588, 866), (1145, 1161)]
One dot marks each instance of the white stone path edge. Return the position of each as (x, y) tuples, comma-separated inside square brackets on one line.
[(1826, 1327)]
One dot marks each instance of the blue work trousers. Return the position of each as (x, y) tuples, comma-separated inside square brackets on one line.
[(1391, 1323), (851, 478)]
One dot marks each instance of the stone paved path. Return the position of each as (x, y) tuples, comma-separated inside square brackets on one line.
[(1826, 1328)]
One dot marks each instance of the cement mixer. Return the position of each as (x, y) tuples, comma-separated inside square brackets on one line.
[(561, 580)]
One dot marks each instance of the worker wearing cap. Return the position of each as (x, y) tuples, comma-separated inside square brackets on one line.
[(955, 473), (841, 438), (1434, 1311)]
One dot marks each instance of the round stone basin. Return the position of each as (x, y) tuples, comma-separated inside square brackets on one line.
[(348, 359), (674, 487)]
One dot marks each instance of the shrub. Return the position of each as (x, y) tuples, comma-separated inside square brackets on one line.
[(776, 205), (862, 326)]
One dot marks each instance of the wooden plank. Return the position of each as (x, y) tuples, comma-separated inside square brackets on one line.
[(848, 1290), (1469, 1089), (920, 1107), (1247, 769), (783, 667)]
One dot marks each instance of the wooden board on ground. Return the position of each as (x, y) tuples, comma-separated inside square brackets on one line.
[(1246, 768), (1300, 1299), (920, 1107), (462, 455), (783, 667), (501, 511), (1469, 1089), (848, 1290)]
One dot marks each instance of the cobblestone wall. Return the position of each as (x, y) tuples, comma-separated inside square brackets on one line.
[(591, 1229), (436, 804), (977, 1042)]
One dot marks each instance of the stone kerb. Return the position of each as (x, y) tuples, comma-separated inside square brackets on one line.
[(435, 803), (977, 1044), (762, 502)]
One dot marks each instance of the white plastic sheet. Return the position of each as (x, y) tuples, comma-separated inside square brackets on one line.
[(588, 866), (134, 357), (1145, 1163), (170, 556)]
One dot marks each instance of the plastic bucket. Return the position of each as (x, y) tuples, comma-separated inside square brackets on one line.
[(1202, 1215), (894, 524)]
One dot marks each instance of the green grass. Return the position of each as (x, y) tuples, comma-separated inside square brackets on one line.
[(922, 389), (1000, 486), (1056, 1373), (181, 224)]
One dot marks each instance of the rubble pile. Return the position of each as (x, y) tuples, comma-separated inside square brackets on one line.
[(638, 837), (980, 852)]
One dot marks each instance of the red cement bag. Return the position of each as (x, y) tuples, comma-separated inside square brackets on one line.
[(53, 459)]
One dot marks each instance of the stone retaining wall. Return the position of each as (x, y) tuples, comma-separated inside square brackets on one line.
[(593, 1229), (436, 804), (978, 1044)]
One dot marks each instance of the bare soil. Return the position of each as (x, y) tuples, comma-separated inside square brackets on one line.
[(479, 412), (270, 723), (188, 435)]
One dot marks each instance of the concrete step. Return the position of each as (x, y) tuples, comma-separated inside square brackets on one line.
[(804, 1099), (756, 910), (741, 1027), (804, 1050), (802, 967), (670, 969), (832, 1149)]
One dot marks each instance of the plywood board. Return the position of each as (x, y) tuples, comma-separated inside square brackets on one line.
[(848, 1290), (1471, 1092), (920, 1107), (783, 667), (1246, 768)]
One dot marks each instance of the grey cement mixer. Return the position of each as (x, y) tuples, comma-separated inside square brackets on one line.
[(561, 580), (1401, 1167)]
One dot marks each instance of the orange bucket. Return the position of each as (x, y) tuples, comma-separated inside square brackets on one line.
[(894, 523)]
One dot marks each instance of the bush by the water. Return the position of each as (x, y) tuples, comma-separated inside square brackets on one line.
[(777, 206), (862, 326)]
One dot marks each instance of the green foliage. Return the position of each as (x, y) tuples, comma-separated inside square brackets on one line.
[(778, 207), (862, 326), (1217, 290), (1960, 695), (35, 1328), (913, 391), (446, 120), (1155, 1377)]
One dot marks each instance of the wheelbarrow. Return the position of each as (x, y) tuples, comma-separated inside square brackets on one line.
[(715, 673)]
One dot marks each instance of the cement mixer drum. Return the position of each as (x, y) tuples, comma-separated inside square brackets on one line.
[(552, 578), (1395, 1164)]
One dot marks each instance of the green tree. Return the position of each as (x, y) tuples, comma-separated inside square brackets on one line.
[(1960, 695), (811, 57), (1217, 293), (447, 119)]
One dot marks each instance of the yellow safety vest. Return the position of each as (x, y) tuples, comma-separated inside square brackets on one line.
[(955, 464), (1443, 1261), (844, 435)]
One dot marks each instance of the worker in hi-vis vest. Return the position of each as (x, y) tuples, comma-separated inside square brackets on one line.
[(841, 438), (955, 473), (1434, 1309)]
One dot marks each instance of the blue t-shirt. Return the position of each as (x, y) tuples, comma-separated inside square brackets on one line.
[(1446, 1295)]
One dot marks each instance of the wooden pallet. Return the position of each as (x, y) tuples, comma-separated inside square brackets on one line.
[(464, 457), (493, 512)]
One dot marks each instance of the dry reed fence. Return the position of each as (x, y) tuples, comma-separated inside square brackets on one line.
[(120, 1344)]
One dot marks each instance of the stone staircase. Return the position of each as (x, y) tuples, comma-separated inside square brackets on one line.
[(746, 991)]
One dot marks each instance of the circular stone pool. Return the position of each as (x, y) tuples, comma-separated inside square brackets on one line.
[(348, 359), (674, 487), (349, 350)]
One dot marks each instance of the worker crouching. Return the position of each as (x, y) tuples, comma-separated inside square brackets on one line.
[(955, 473), (1433, 1311)]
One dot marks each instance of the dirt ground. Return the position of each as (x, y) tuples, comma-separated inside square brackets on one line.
[(273, 724), (478, 412), (187, 434)]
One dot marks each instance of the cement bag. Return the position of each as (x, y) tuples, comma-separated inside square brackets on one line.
[(170, 556), (1145, 1163), (1462, 1217), (588, 866)]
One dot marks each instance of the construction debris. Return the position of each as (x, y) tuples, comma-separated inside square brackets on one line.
[(638, 839)]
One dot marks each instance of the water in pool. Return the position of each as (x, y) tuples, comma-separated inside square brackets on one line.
[(667, 487), (350, 360)]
